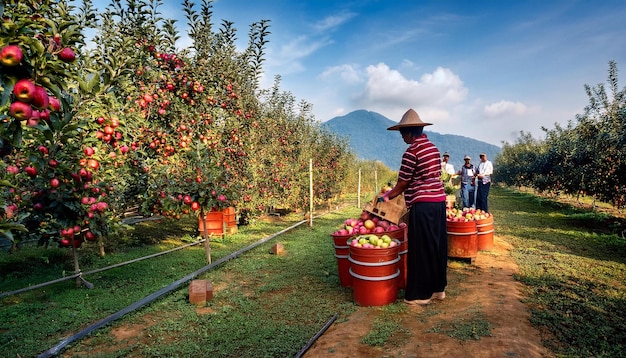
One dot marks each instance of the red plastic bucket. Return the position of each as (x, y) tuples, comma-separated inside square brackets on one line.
[(343, 265), (374, 291), (402, 265), (341, 253), (404, 249), (214, 223), (374, 274), (485, 233), (230, 220), (462, 239)]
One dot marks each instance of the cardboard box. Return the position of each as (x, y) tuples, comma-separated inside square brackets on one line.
[(393, 210)]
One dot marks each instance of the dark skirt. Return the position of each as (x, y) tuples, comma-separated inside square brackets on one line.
[(427, 257)]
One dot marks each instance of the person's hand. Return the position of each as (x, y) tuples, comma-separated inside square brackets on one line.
[(384, 197)]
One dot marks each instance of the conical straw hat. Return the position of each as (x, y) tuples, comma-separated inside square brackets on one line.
[(409, 119)]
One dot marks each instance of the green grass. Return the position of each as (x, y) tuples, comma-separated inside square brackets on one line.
[(387, 326), (571, 262), (472, 326), (573, 265)]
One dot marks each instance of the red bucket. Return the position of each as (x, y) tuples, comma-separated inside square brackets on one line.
[(230, 220), (341, 253), (343, 265), (214, 223), (402, 236), (462, 239), (485, 233), (402, 265), (374, 274)]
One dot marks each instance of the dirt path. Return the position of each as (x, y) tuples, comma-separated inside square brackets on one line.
[(483, 292)]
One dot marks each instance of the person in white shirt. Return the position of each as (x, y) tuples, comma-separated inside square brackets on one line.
[(483, 182), (447, 167)]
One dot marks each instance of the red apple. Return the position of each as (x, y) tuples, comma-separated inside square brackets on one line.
[(31, 171), (93, 164), (20, 111), (54, 183), (90, 236), (12, 169), (44, 114), (67, 55), (195, 206), (11, 55), (54, 104), (24, 90), (40, 98)]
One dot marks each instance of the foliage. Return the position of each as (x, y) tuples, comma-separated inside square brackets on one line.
[(583, 158), (170, 131), (59, 191)]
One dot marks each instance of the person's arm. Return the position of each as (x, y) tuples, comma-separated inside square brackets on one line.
[(487, 169), (396, 190)]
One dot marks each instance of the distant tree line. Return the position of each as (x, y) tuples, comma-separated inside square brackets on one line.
[(586, 157)]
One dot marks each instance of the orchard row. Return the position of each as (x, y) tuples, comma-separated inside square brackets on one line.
[(88, 131)]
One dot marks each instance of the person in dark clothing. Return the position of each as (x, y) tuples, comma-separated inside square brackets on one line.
[(467, 173), (419, 181)]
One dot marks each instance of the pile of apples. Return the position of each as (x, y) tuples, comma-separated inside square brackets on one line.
[(372, 241), (466, 214), (367, 223)]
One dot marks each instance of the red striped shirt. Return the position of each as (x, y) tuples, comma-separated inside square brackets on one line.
[(421, 167)]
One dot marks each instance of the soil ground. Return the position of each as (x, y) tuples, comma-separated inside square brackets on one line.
[(480, 292)]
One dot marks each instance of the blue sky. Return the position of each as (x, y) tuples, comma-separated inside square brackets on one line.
[(482, 69)]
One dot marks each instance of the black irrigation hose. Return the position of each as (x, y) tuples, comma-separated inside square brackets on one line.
[(154, 296), (315, 337), (81, 274)]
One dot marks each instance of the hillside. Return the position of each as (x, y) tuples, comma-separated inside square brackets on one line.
[(369, 138)]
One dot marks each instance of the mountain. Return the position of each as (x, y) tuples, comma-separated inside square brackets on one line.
[(369, 138)]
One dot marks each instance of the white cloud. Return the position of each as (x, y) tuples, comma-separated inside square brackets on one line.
[(505, 108), (389, 88), (333, 21), (347, 73), (300, 47)]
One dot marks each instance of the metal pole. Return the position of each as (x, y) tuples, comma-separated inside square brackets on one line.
[(358, 193), (311, 192)]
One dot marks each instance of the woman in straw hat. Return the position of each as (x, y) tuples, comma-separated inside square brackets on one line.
[(419, 180)]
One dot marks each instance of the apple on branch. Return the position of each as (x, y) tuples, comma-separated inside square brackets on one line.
[(11, 55)]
